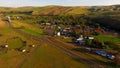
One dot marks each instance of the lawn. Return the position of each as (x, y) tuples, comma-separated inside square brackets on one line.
[(108, 38)]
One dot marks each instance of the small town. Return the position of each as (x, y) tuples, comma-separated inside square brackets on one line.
[(64, 34)]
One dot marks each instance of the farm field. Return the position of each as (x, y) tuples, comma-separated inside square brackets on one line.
[(38, 58), (28, 28), (8, 57), (47, 56)]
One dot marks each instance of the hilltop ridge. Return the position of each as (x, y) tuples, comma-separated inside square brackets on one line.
[(60, 10)]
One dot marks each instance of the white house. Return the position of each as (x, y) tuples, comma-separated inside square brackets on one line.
[(91, 38), (81, 41), (48, 24)]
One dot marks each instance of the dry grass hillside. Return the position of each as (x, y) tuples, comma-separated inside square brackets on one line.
[(77, 10), (54, 11), (60, 10)]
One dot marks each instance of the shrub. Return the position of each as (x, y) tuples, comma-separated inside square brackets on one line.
[(88, 42), (97, 43)]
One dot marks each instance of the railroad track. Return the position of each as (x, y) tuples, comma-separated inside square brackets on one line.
[(74, 55), (65, 50)]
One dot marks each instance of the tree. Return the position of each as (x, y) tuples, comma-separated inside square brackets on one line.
[(88, 42)]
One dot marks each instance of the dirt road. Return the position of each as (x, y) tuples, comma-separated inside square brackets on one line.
[(74, 55)]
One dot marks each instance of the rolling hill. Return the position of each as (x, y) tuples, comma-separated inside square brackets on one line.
[(60, 10), (92, 12), (47, 10)]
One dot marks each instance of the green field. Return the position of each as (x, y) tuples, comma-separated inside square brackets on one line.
[(28, 28), (112, 38)]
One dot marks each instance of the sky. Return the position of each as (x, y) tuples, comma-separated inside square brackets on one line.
[(21, 3)]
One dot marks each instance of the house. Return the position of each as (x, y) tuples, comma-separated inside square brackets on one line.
[(42, 23), (91, 38), (66, 32), (80, 40), (98, 31), (48, 24)]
